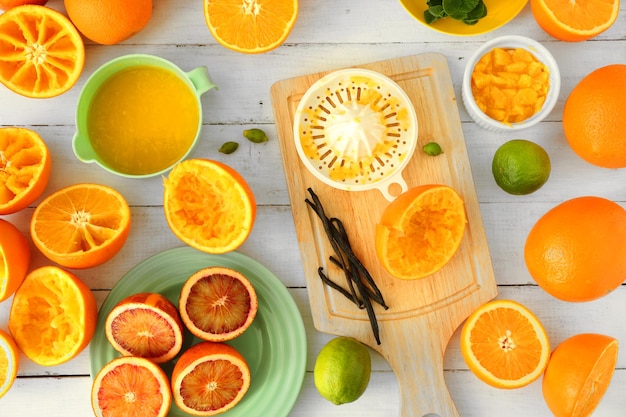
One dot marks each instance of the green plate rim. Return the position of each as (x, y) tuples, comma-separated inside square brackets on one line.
[(281, 368)]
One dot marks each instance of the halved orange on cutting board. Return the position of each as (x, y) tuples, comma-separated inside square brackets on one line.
[(146, 325), (504, 344), (209, 378), (218, 304), (420, 231), (25, 165), (250, 26), (42, 53), (131, 386), (82, 225)]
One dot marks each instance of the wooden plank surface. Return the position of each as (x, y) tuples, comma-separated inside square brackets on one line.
[(424, 313)]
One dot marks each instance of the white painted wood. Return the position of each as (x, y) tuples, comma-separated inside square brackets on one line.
[(328, 34)]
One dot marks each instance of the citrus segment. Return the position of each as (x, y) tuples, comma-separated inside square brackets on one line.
[(53, 316), (250, 26), (209, 378), (575, 20), (218, 304), (24, 168), (14, 259), (420, 231), (593, 120), (146, 325), (41, 53), (9, 362), (504, 344), (81, 226), (109, 22), (208, 205), (8, 4), (578, 374), (130, 386), (575, 250)]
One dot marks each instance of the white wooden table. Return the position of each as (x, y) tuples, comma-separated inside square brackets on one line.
[(327, 35)]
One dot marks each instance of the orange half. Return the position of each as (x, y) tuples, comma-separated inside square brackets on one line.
[(24, 168), (577, 20), (250, 26), (209, 378), (41, 52), (208, 205), (420, 231), (504, 344), (82, 225), (53, 316), (131, 386), (9, 362)]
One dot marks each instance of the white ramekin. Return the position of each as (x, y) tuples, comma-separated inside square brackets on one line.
[(513, 41)]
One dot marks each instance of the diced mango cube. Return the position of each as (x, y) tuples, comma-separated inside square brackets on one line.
[(501, 57)]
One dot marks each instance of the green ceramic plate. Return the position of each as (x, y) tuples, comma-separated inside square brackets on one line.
[(274, 346)]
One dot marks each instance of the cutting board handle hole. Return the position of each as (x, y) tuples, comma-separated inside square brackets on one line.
[(431, 415)]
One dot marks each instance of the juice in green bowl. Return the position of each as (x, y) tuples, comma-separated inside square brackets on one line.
[(138, 115)]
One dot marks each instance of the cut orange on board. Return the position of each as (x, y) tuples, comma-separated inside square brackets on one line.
[(41, 52), (209, 378), (578, 374), (9, 362), (575, 20), (218, 304), (208, 205), (14, 259), (130, 386), (53, 316), (24, 168), (250, 26), (146, 325), (81, 226), (504, 344), (420, 231)]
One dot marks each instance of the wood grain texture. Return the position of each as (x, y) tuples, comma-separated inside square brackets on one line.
[(423, 314)]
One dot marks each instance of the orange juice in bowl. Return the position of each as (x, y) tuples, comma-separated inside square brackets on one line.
[(138, 115)]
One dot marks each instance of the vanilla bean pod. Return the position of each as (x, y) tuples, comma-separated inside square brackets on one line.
[(356, 274)]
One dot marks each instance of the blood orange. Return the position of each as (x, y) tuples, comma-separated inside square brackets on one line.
[(218, 303), (209, 378), (146, 325), (131, 386)]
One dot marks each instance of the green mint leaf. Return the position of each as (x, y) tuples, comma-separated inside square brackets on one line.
[(429, 17), (478, 12), (437, 11)]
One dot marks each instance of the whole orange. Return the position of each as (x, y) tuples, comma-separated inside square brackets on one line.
[(8, 4), (109, 21), (577, 250), (593, 117)]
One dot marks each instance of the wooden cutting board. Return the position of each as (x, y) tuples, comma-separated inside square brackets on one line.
[(423, 314)]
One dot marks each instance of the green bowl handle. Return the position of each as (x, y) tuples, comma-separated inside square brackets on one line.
[(82, 148), (201, 80)]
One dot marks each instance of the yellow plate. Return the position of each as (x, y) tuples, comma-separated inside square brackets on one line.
[(499, 12)]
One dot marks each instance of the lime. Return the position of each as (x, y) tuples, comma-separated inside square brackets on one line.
[(342, 370), (520, 167)]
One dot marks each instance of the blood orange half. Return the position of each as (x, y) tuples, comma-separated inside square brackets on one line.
[(131, 386), (209, 378), (146, 325), (218, 304)]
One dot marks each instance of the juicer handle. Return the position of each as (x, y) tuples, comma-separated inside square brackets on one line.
[(201, 80), (384, 186)]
